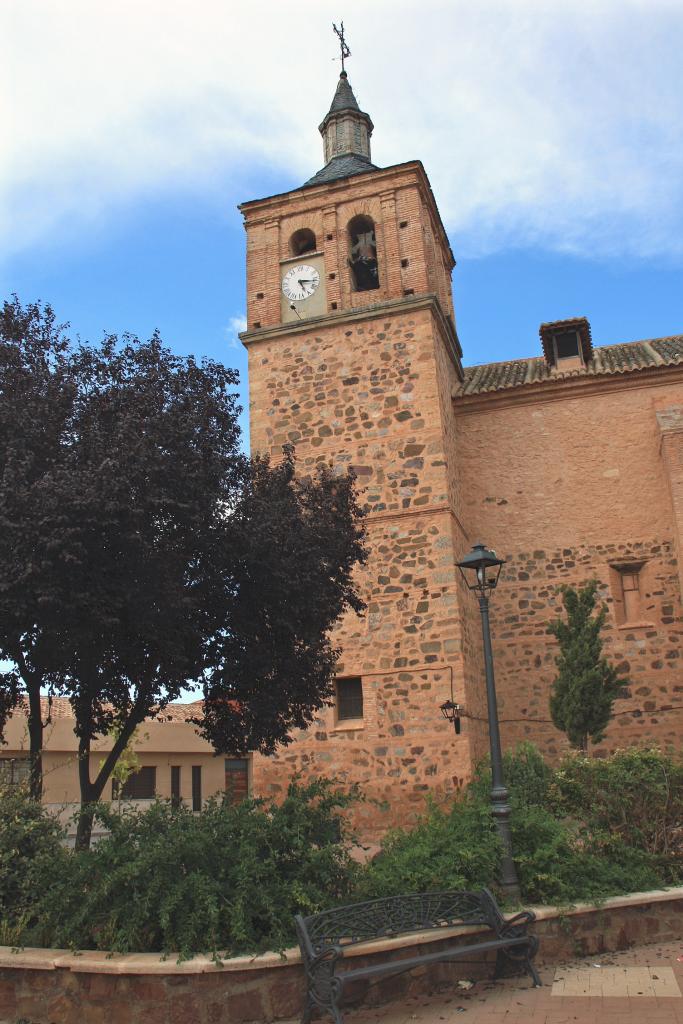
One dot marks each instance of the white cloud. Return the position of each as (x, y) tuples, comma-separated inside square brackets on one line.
[(236, 324), (557, 122)]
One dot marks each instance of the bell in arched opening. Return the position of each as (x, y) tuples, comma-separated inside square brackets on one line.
[(363, 254)]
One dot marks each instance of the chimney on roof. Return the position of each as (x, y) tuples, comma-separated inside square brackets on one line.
[(567, 344)]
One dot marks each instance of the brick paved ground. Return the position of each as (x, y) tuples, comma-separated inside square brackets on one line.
[(640, 986)]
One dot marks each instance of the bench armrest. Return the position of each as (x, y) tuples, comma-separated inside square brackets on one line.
[(518, 923), (329, 955)]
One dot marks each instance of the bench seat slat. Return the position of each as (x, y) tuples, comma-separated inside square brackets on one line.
[(453, 953)]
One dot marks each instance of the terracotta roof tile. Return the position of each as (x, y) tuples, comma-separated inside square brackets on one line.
[(61, 708), (610, 359)]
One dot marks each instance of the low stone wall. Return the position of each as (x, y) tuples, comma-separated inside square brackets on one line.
[(49, 986)]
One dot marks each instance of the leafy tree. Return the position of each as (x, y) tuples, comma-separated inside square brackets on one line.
[(127, 765), (583, 694), (141, 553)]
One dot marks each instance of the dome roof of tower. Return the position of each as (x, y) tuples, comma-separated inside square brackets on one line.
[(344, 166)]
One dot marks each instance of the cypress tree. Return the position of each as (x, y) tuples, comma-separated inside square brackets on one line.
[(583, 694)]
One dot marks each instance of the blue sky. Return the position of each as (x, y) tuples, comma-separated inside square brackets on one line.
[(552, 134)]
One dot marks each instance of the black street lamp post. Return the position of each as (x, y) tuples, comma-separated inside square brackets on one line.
[(480, 570)]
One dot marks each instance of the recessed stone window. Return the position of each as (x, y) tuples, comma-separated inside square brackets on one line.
[(627, 585), (349, 702)]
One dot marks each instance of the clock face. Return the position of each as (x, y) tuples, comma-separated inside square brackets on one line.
[(300, 282)]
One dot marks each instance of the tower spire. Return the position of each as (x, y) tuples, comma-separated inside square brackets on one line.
[(346, 130)]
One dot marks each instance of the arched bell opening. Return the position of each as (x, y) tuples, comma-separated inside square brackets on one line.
[(302, 241), (363, 254)]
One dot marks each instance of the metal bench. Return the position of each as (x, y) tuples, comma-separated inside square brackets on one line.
[(324, 937)]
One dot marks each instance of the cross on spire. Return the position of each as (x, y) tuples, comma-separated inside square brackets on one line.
[(343, 46)]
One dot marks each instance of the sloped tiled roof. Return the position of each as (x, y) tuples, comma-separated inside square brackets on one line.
[(61, 708), (610, 359)]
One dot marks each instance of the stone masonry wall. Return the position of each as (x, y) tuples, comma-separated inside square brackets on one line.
[(364, 394), (565, 490), (470, 687)]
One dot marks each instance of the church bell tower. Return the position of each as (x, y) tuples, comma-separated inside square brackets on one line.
[(353, 356)]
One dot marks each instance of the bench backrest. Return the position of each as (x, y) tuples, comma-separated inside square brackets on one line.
[(395, 915)]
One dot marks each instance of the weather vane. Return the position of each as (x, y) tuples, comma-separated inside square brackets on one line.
[(345, 52)]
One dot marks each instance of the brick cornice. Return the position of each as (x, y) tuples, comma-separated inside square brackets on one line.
[(568, 388), (407, 304), (384, 179)]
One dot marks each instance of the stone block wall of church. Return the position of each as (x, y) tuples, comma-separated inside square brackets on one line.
[(470, 681), (364, 394), (565, 486)]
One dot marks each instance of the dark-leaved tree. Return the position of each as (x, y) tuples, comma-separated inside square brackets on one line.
[(142, 553), (583, 694)]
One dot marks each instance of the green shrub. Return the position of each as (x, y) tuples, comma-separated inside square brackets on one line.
[(635, 795), (527, 777), (560, 863), (594, 827), (448, 849), (229, 879), (31, 851)]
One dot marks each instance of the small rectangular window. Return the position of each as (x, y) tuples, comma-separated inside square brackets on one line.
[(141, 785), (196, 787), (236, 779), (566, 345), (175, 785), (630, 584), (14, 770), (349, 699), (627, 591)]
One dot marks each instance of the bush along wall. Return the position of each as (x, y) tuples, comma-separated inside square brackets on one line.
[(569, 844), (230, 879)]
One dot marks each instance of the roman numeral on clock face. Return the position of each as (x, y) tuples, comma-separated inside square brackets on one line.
[(300, 282)]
